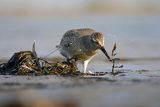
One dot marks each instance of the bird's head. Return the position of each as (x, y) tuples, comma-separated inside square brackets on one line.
[(97, 40)]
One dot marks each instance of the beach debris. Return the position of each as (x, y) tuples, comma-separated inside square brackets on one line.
[(114, 59), (21, 63), (59, 68), (27, 63)]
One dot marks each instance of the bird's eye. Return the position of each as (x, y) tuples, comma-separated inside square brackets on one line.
[(94, 40)]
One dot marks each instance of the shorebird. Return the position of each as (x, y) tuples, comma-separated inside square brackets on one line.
[(82, 44)]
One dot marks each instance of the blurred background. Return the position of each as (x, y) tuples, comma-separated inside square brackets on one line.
[(133, 24)]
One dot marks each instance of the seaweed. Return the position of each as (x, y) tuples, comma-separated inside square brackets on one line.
[(24, 63), (114, 59), (21, 63), (27, 63)]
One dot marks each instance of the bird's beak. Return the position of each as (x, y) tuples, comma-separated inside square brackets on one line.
[(105, 52)]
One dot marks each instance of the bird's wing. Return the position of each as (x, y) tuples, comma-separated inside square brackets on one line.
[(85, 31), (78, 32)]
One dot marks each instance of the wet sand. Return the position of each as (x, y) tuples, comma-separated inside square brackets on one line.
[(136, 87)]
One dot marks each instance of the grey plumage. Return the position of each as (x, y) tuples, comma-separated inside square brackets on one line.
[(81, 44)]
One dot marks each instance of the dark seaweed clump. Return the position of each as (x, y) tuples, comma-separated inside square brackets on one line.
[(26, 63)]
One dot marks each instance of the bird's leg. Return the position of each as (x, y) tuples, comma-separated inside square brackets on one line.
[(72, 60), (68, 60), (85, 66)]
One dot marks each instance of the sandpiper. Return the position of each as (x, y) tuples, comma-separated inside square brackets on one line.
[(82, 44)]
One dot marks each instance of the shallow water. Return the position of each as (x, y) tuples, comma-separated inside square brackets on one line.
[(138, 47), (135, 36)]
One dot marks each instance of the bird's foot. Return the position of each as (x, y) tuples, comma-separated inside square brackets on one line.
[(89, 72)]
